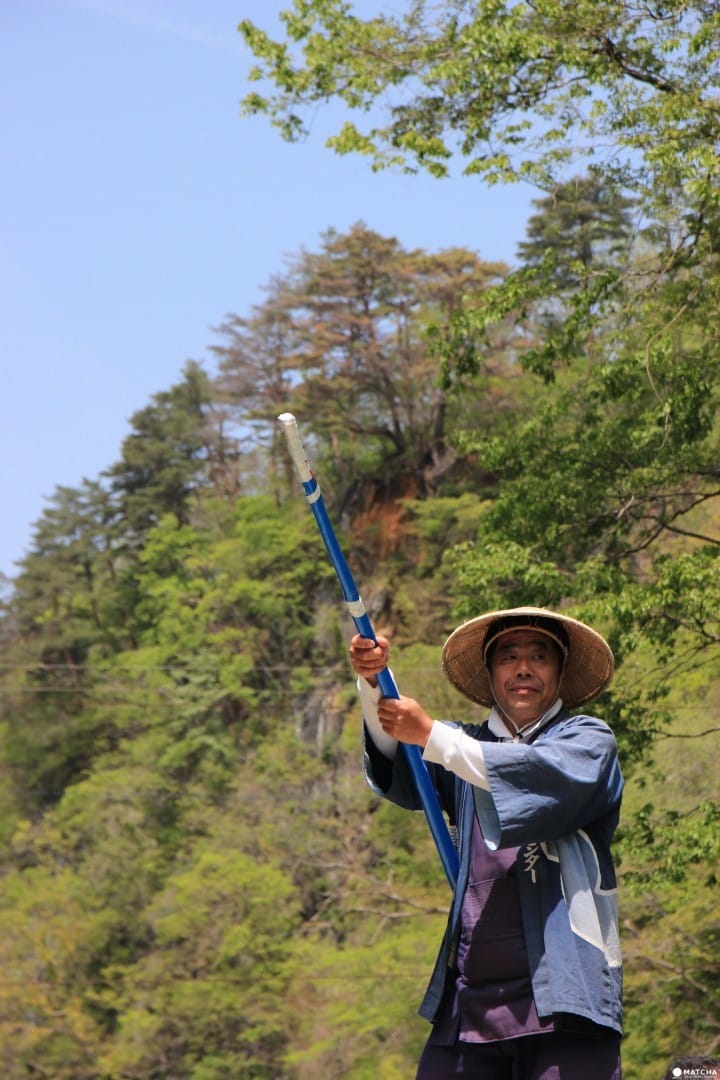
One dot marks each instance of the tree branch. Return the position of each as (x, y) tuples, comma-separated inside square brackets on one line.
[(618, 58), (689, 735)]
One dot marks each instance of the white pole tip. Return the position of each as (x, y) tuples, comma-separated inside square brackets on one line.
[(286, 418)]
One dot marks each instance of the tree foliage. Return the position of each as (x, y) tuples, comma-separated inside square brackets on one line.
[(513, 90), (196, 883), (585, 224), (342, 339)]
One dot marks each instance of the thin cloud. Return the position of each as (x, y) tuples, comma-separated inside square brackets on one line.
[(168, 26)]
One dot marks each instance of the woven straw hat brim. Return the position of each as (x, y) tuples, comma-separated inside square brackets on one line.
[(588, 668)]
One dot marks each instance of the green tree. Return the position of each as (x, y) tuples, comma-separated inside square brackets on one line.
[(222, 925), (514, 90), (341, 341), (605, 496), (177, 446), (584, 224), (68, 603), (527, 91), (623, 453)]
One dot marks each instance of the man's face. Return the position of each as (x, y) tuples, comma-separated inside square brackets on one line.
[(524, 675)]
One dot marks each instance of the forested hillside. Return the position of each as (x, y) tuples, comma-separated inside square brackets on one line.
[(196, 882)]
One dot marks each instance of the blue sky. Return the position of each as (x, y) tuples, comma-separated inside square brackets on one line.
[(138, 208)]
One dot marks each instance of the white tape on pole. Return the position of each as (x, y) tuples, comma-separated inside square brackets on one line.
[(295, 446)]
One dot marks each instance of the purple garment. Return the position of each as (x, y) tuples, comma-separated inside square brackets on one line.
[(492, 998)]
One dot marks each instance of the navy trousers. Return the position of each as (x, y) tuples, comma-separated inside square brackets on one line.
[(554, 1055)]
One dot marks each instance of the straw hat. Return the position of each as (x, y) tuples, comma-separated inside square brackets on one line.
[(589, 660)]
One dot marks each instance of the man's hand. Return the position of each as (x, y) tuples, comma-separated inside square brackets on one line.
[(369, 658), (404, 719)]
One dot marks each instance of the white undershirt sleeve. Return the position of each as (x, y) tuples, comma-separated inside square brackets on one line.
[(369, 697), (457, 752)]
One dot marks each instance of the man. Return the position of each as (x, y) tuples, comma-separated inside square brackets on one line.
[(527, 985)]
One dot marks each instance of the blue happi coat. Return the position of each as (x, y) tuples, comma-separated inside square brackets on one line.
[(557, 799)]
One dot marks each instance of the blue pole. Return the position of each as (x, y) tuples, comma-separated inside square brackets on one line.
[(423, 785)]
